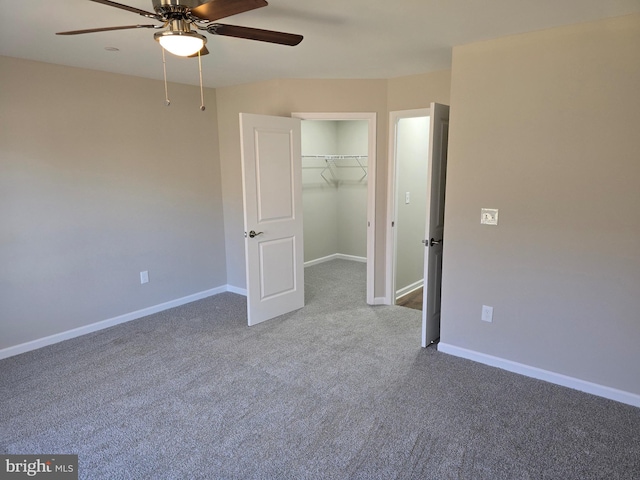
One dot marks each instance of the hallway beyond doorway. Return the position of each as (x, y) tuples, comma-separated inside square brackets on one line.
[(411, 300)]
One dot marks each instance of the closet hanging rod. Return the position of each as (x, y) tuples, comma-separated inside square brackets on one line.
[(330, 164), (336, 157)]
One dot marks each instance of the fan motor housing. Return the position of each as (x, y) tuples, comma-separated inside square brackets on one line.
[(158, 4)]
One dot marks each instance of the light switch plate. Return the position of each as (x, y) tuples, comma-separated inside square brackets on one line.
[(489, 216)]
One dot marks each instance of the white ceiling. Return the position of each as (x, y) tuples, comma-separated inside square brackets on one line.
[(342, 38)]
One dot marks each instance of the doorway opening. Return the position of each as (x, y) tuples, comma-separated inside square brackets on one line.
[(436, 138), (408, 179), (338, 189)]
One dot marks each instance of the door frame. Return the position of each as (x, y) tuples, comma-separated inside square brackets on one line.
[(392, 206), (371, 183)]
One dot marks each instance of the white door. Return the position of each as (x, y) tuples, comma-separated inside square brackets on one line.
[(437, 169), (271, 181)]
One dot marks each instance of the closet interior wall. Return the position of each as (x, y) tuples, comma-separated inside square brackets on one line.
[(334, 188)]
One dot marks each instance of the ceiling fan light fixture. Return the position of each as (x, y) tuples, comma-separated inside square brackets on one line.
[(181, 43)]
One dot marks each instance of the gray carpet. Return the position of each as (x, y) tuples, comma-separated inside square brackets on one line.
[(336, 390)]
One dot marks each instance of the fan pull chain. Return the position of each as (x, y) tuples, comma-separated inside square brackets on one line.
[(166, 88), (202, 107)]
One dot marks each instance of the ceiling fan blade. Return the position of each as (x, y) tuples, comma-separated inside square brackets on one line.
[(270, 36), (203, 51), (106, 29), (217, 9), (127, 7)]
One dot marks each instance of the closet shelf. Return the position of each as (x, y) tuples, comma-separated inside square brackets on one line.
[(332, 165)]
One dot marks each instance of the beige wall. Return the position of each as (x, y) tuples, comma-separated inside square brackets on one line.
[(99, 180), (544, 126), (418, 91)]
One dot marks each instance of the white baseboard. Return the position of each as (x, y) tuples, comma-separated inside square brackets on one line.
[(380, 301), (534, 372), (127, 317), (335, 256), (317, 261), (238, 290), (410, 288), (352, 258)]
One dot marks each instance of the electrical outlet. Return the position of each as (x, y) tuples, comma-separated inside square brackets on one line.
[(144, 277), (487, 313), (489, 216)]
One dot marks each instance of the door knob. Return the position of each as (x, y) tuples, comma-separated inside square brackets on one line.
[(435, 242), (253, 233)]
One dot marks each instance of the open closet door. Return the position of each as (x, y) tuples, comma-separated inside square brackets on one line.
[(437, 170), (272, 185)]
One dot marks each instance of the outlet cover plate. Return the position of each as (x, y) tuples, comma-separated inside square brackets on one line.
[(487, 313), (489, 216)]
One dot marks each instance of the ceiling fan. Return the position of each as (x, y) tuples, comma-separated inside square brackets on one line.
[(178, 17)]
